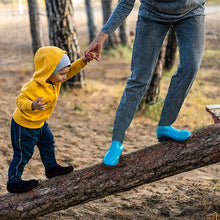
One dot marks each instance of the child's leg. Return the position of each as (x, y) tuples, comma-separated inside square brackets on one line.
[(46, 147), (23, 142), (190, 38), (47, 151)]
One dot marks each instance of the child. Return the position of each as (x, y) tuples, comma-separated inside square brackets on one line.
[(35, 105)]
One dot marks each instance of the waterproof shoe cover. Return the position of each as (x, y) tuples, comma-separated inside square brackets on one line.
[(21, 186), (168, 132), (113, 154), (57, 171)]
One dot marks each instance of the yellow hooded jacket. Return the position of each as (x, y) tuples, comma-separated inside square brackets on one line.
[(46, 59)]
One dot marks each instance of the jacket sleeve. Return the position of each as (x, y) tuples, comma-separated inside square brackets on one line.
[(23, 102), (122, 10), (27, 95), (75, 67)]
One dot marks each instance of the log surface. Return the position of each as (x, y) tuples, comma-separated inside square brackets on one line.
[(144, 166)]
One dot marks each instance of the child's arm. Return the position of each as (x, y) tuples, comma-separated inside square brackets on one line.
[(79, 64), (24, 103), (25, 100), (75, 67)]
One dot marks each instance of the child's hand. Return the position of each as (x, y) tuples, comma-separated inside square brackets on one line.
[(37, 104), (88, 57)]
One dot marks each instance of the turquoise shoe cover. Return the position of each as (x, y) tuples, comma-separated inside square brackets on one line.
[(113, 154), (168, 132)]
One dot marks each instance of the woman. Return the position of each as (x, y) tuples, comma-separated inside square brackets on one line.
[(155, 17)]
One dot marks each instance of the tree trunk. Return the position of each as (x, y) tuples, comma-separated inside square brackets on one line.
[(144, 166), (35, 25), (62, 33), (152, 93), (90, 20), (112, 40), (124, 33), (170, 49)]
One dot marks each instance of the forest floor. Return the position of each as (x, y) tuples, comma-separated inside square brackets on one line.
[(83, 118)]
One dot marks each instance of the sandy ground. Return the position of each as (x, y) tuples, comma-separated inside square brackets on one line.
[(82, 123)]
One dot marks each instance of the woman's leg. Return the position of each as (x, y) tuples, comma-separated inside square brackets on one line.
[(190, 38), (149, 37)]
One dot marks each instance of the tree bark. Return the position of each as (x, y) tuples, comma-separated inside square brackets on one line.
[(124, 33), (170, 49), (35, 25), (144, 166), (62, 33), (152, 93), (90, 20), (112, 40)]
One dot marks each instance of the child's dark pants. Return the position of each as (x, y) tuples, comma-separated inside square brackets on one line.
[(23, 142)]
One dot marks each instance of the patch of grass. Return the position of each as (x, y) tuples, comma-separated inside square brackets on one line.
[(168, 73), (204, 92), (211, 58), (212, 53), (213, 2), (124, 52), (153, 110)]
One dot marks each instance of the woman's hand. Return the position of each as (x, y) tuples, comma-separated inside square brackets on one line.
[(96, 45), (89, 57)]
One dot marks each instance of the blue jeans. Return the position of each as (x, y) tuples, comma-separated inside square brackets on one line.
[(190, 33), (23, 143)]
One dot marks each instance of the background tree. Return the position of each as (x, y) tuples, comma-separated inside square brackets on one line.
[(170, 49), (62, 33), (90, 20), (35, 25), (165, 60), (112, 40), (152, 93), (124, 33)]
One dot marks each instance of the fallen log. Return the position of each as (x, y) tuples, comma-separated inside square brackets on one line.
[(144, 166), (214, 110)]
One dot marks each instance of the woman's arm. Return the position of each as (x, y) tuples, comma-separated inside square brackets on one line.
[(122, 10)]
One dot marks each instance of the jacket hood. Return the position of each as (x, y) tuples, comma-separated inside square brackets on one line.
[(45, 61)]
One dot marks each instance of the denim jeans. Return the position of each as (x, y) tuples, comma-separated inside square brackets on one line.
[(150, 34), (23, 143)]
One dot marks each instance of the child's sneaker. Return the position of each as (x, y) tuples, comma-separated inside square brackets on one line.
[(21, 186), (57, 171)]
